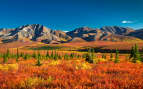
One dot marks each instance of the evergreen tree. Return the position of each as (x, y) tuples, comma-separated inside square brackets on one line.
[(17, 55), (117, 57), (55, 57), (111, 56), (135, 54), (39, 55), (1, 55), (132, 52), (8, 53), (92, 50), (22, 54), (78, 56), (38, 60), (26, 56), (72, 55), (84, 56), (66, 56), (89, 50), (5, 58), (92, 53), (103, 56), (34, 55), (17, 52), (47, 55), (52, 55), (59, 56), (17, 58), (89, 58)]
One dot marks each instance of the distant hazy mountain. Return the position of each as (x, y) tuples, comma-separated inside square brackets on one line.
[(40, 33)]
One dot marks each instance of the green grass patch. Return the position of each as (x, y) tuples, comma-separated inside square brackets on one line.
[(46, 48)]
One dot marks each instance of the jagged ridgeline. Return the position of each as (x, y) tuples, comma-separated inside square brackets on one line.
[(40, 33), (34, 32)]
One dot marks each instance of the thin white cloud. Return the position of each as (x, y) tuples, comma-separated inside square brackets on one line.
[(66, 31), (126, 21)]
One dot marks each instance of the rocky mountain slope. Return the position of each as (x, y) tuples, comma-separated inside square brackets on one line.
[(108, 33), (137, 33), (34, 32), (37, 32)]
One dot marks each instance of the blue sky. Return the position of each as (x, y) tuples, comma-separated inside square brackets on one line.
[(71, 14)]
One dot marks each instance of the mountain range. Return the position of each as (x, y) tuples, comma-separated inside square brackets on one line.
[(40, 33)]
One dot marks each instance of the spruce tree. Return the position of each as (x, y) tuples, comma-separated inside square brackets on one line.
[(135, 54), (89, 56), (111, 56), (39, 55), (26, 56), (17, 55), (38, 60), (89, 50), (132, 52), (78, 56), (117, 57), (66, 56), (59, 56), (34, 55), (47, 55), (8, 53), (103, 56), (1, 55), (5, 58), (92, 53), (55, 57), (83, 55), (22, 54), (52, 55), (72, 55)]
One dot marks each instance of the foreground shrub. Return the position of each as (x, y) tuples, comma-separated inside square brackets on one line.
[(104, 75), (54, 62), (31, 82), (6, 67), (83, 66)]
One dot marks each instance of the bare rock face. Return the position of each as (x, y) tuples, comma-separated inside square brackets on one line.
[(39, 33), (117, 38), (137, 33), (85, 33), (34, 32), (61, 35), (117, 30), (79, 32), (107, 33)]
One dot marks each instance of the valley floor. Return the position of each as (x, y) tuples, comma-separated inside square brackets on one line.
[(63, 66)]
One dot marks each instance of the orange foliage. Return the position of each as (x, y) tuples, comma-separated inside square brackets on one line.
[(64, 75)]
